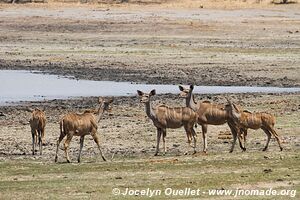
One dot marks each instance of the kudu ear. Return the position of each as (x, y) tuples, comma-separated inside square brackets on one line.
[(229, 102), (191, 87), (236, 112), (27, 109), (181, 88), (236, 108), (153, 92), (111, 100), (140, 93), (100, 100)]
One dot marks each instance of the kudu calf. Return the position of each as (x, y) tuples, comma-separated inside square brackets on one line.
[(245, 120), (209, 114), (164, 117), (74, 124), (37, 124)]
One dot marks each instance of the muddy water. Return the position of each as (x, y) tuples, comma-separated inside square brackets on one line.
[(21, 85)]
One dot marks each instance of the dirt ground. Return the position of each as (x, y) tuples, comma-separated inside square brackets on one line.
[(127, 131), (128, 140), (155, 44), (172, 44)]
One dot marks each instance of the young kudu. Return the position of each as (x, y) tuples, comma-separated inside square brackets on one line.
[(245, 120), (164, 117), (74, 124), (37, 124), (209, 114)]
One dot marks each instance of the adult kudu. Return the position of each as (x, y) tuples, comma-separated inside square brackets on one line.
[(210, 114), (245, 120), (164, 117), (74, 124)]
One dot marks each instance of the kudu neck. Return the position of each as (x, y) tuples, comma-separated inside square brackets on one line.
[(190, 101), (99, 112), (149, 110)]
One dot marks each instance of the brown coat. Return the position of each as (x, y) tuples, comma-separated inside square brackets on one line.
[(37, 123), (74, 124), (257, 120), (164, 117)]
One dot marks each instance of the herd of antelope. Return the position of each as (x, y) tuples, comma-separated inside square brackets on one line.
[(203, 113)]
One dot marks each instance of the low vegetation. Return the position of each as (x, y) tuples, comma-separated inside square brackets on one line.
[(94, 178)]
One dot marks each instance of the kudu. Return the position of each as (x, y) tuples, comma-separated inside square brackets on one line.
[(164, 117), (37, 124), (73, 124), (245, 120), (209, 114)]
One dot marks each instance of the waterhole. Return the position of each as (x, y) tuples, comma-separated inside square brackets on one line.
[(19, 85)]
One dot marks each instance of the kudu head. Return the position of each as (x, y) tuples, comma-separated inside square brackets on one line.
[(185, 91), (36, 109), (145, 97), (105, 104), (234, 110)]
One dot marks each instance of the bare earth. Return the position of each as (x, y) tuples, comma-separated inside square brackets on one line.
[(155, 45), (151, 44)]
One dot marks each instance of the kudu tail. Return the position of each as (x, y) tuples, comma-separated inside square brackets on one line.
[(61, 126)]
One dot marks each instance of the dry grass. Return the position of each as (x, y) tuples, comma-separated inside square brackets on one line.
[(95, 179)]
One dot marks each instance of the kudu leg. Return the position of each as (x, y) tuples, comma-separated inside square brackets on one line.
[(204, 131), (194, 138), (80, 149), (277, 137), (61, 137), (245, 137), (239, 134), (268, 138), (236, 133), (164, 140), (33, 142), (189, 138), (66, 146), (96, 139), (36, 139), (40, 141), (234, 137), (188, 135), (159, 131), (190, 132), (43, 137)]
